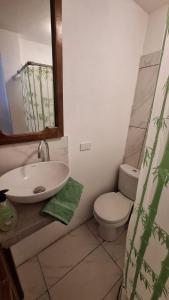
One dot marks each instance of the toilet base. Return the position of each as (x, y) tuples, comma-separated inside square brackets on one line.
[(110, 234)]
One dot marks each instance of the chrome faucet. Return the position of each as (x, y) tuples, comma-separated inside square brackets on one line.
[(41, 154)]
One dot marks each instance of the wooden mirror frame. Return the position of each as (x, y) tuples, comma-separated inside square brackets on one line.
[(55, 132)]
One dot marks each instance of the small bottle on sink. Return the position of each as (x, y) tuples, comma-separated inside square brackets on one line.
[(8, 217)]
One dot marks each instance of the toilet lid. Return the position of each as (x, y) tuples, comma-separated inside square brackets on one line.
[(112, 207)]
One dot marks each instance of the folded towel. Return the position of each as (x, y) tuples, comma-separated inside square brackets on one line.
[(62, 206)]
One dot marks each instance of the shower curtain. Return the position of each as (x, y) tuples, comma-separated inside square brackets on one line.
[(146, 272), (37, 87)]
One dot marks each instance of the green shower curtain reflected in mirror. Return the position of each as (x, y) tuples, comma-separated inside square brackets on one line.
[(37, 89)]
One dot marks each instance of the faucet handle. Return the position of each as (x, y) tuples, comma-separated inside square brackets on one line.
[(47, 150)]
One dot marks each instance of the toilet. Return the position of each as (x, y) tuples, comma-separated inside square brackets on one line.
[(112, 210)]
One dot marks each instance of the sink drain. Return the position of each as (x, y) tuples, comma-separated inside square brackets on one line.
[(39, 189)]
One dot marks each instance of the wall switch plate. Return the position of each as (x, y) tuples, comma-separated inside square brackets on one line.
[(85, 146)]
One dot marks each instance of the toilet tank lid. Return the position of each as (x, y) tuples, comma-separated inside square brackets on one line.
[(131, 171)]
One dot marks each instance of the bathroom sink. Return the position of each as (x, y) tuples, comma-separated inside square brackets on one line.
[(35, 182)]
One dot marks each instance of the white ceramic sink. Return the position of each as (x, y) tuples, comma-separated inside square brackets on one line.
[(35, 182)]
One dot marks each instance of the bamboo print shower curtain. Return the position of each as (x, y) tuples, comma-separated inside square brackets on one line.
[(146, 273), (37, 87)]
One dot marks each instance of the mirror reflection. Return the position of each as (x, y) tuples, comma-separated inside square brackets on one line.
[(26, 71)]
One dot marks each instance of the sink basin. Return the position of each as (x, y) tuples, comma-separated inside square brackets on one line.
[(35, 182)]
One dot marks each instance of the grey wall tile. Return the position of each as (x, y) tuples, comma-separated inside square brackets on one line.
[(26, 153), (134, 144), (144, 95), (150, 59)]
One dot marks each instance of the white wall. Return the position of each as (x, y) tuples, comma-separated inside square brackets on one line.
[(10, 53), (36, 52), (5, 118), (16, 51), (155, 31), (102, 45)]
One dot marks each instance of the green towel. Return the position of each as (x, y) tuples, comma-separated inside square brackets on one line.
[(62, 206)]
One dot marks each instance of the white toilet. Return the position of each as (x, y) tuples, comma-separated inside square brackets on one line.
[(112, 210)]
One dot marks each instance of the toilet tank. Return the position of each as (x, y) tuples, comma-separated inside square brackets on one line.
[(128, 180)]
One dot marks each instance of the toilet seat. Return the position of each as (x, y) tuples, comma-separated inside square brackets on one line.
[(112, 207)]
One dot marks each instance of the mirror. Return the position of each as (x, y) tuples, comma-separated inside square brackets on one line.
[(30, 102)]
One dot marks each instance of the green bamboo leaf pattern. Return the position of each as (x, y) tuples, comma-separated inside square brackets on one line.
[(145, 281), (157, 231), (161, 184), (161, 122), (160, 281), (147, 156), (167, 23), (36, 104), (162, 173), (135, 251), (159, 286), (131, 262), (31, 99), (154, 277), (37, 87), (137, 296), (147, 269), (151, 157)]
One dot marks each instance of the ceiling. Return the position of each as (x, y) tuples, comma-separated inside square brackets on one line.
[(29, 18), (150, 5)]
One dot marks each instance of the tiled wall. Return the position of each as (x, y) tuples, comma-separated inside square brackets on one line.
[(145, 89), (17, 155)]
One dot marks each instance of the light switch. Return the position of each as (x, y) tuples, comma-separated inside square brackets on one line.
[(85, 146)]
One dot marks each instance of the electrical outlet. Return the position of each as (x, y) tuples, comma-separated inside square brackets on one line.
[(85, 146)]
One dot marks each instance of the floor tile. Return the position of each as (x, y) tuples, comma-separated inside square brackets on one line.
[(44, 297), (93, 227), (59, 258), (31, 279), (90, 280), (116, 249), (120, 262), (113, 294)]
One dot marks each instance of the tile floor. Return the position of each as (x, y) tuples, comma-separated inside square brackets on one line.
[(79, 266)]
